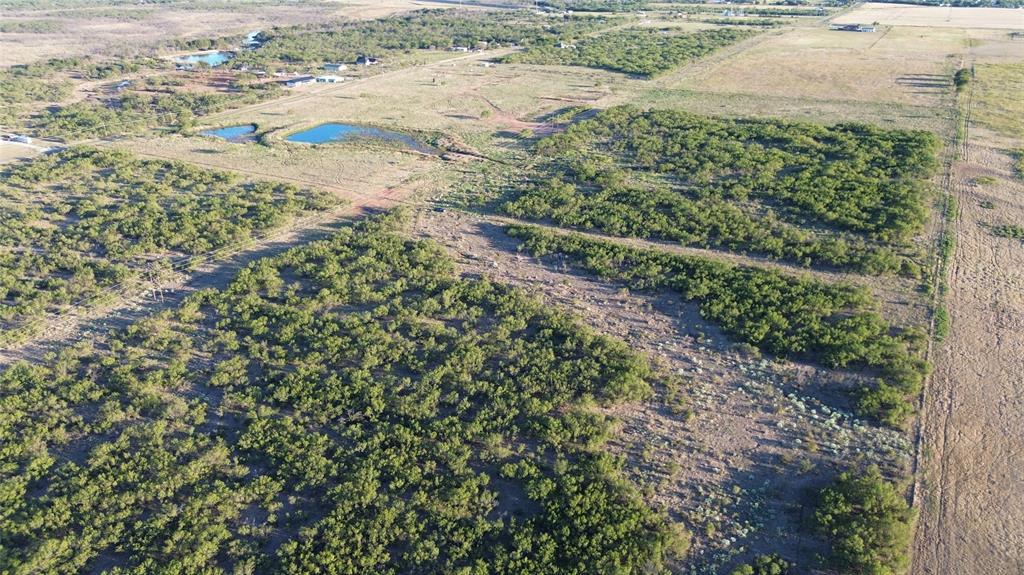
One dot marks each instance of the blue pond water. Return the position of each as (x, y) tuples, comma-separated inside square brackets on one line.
[(242, 133), (333, 132), (210, 58)]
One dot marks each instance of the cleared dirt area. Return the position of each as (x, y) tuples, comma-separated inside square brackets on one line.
[(934, 16)]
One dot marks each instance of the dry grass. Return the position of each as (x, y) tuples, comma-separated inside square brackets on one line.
[(899, 66), (999, 97), (935, 16), (10, 152)]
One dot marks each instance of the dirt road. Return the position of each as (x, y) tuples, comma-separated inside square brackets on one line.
[(972, 515)]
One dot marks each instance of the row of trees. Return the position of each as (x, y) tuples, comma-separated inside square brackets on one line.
[(83, 220), (642, 51), (347, 407), (848, 196), (437, 29), (834, 325)]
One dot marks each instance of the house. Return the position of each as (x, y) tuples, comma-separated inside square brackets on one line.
[(366, 61), (335, 66), (459, 49), (252, 40), (328, 79), (851, 27), (300, 80)]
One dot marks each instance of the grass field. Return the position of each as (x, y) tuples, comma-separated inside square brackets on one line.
[(1000, 104), (934, 16)]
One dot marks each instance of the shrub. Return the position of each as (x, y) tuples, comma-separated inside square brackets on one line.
[(867, 523)]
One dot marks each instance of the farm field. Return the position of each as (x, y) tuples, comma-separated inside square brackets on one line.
[(643, 288), (973, 420), (934, 16)]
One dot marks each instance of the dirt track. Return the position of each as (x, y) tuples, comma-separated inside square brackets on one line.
[(972, 517)]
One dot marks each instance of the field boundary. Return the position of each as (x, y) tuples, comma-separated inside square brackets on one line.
[(954, 151)]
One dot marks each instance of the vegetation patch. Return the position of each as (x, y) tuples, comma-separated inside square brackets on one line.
[(425, 29), (847, 196), (867, 522), (835, 325), (84, 220), (642, 51), (348, 407), (1012, 231), (138, 111)]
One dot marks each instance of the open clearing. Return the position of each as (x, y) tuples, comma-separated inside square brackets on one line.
[(900, 78), (934, 16)]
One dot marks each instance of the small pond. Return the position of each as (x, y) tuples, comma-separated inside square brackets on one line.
[(211, 59), (242, 133), (334, 132)]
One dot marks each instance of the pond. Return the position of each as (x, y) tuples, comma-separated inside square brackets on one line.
[(211, 59), (238, 134), (334, 132)]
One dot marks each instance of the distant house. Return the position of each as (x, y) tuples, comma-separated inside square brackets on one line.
[(851, 27), (459, 49), (300, 80), (363, 60), (328, 79), (252, 40), (335, 67)]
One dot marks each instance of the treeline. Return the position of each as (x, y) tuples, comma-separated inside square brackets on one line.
[(84, 220), (591, 5), (642, 51), (436, 29), (767, 11), (348, 407), (30, 26), (848, 196), (834, 325)]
